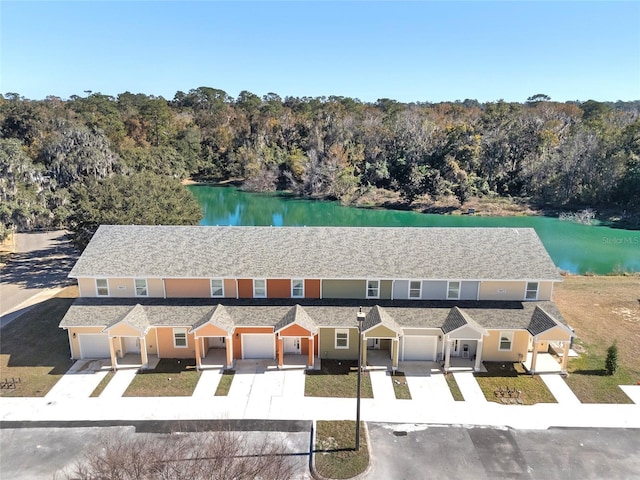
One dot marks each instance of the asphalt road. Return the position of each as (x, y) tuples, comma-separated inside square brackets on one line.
[(41, 262), (437, 452)]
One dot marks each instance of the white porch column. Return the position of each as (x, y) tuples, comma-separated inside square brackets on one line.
[(229, 349), (476, 367), (197, 342), (311, 346), (534, 356), (114, 355), (447, 354), (395, 351), (143, 352), (565, 356)]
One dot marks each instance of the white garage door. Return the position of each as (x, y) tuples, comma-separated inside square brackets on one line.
[(258, 345), (94, 346), (419, 348)]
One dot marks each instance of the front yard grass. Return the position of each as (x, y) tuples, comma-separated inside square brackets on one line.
[(400, 386), (172, 377), (453, 386), (590, 382), (337, 378), (513, 376), (335, 454), (225, 383), (34, 349)]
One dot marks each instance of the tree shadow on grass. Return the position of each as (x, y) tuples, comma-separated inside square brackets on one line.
[(599, 372)]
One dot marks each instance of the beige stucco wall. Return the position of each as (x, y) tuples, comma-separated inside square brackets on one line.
[(74, 343), (518, 350), (380, 332), (155, 287), (545, 291), (123, 330), (230, 290), (187, 287), (121, 287), (385, 289), (87, 287), (327, 349), (556, 334), (490, 290), (344, 289)]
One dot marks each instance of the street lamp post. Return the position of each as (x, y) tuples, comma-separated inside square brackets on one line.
[(360, 318)]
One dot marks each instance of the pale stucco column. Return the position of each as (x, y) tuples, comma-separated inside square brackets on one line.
[(534, 356), (114, 355), (197, 341), (478, 356), (395, 353), (310, 346), (143, 352), (364, 351), (565, 356), (280, 351), (447, 354), (229, 344)]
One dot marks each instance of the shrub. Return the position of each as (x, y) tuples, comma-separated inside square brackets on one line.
[(611, 363)]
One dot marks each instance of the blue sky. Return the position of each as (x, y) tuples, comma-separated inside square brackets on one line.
[(408, 51)]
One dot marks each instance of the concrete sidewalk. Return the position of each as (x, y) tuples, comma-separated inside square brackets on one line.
[(559, 388)]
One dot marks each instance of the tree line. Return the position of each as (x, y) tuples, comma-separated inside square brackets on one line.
[(53, 151)]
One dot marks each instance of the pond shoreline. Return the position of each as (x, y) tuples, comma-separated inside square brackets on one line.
[(381, 199)]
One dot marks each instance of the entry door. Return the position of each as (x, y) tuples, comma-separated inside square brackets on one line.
[(373, 344), (455, 349), (131, 345), (292, 345)]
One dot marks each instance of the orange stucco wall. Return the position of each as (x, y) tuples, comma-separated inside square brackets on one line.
[(210, 330), (237, 337), (278, 288), (229, 288), (312, 288), (294, 331), (166, 348), (187, 287), (245, 288)]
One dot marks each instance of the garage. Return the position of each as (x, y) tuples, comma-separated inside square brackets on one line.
[(258, 345), (419, 348), (94, 346)]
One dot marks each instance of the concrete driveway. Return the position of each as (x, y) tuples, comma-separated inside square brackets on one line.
[(433, 452)]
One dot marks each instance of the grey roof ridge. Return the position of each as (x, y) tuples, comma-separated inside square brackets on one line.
[(130, 318), (297, 315)]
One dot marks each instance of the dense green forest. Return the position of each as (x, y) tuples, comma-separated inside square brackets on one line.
[(53, 151)]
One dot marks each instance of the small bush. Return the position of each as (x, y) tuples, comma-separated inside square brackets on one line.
[(611, 363)]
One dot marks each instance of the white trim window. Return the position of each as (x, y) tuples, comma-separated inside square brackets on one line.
[(217, 287), (259, 288), (342, 339), (297, 288), (102, 287), (180, 338), (415, 289), (141, 287), (373, 288), (453, 290), (506, 341), (531, 291)]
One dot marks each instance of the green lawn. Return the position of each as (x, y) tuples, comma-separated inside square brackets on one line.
[(335, 455), (34, 349), (337, 378), (400, 386), (171, 378), (225, 383), (513, 376), (453, 386), (589, 381)]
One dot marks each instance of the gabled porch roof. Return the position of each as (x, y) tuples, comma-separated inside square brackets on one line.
[(218, 318), (133, 321), (459, 322), (297, 316), (378, 317), (541, 323)]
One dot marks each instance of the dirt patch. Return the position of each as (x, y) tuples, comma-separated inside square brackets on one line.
[(601, 310)]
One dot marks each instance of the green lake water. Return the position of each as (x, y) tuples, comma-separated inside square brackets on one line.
[(573, 247)]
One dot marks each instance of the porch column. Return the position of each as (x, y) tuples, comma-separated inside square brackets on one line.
[(197, 341), (565, 355), (114, 355), (447, 354), (280, 341), (364, 351), (534, 356), (143, 352), (310, 352), (229, 347), (478, 356), (395, 352)]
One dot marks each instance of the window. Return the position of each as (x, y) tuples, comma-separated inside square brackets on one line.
[(372, 288), (217, 287), (180, 337), (259, 288), (453, 290), (297, 288), (342, 338), (415, 289), (141, 287), (532, 291), (102, 287), (506, 341)]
